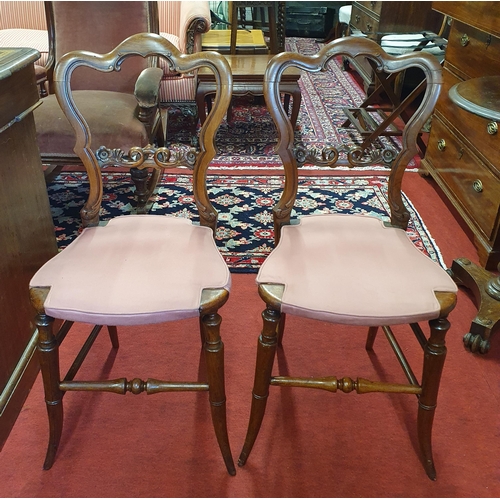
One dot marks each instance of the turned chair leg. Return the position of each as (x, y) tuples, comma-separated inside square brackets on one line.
[(48, 354), (214, 353), (434, 356), (266, 351)]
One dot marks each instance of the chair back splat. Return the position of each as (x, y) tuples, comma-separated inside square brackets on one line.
[(102, 277), (352, 270)]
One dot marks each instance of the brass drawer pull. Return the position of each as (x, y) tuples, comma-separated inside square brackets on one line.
[(368, 27), (358, 18), (373, 4), (441, 144), (464, 40), (477, 185), (492, 128)]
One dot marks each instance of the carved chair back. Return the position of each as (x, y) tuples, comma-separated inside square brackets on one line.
[(144, 45), (98, 27), (295, 155)]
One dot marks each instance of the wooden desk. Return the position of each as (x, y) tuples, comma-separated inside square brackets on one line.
[(481, 97), (463, 151), (248, 78), (27, 238), (247, 42)]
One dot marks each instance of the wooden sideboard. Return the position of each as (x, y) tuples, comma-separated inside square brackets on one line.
[(27, 237), (376, 19), (463, 153)]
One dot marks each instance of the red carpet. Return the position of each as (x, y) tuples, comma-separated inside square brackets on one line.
[(312, 444)]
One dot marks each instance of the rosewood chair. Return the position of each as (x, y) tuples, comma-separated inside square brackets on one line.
[(81, 282), (352, 269), (129, 98)]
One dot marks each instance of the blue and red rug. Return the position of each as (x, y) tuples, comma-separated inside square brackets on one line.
[(245, 228)]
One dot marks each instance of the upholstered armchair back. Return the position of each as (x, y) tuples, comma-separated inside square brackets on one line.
[(185, 20), (28, 15), (73, 29)]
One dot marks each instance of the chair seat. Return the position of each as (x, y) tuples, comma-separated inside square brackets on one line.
[(103, 110), (345, 14), (327, 260), (168, 259), (404, 43)]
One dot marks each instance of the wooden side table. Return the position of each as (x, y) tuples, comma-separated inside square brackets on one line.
[(480, 96), (247, 42), (248, 79)]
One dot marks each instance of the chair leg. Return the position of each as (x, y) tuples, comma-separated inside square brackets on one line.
[(281, 329), (48, 354), (214, 353), (266, 350), (370, 339), (434, 356), (113, 335), (140, 179)]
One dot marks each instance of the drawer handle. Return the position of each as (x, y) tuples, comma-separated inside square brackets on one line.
[(492, 128), (477, 185), (357, 18), (368, 27), (373, 4), (441, 144), (464, 40)]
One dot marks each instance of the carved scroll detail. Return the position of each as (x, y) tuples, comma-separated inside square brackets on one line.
[(356, 156), (146, 157)]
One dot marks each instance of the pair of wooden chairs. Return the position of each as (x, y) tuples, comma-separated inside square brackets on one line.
[(342, 269)]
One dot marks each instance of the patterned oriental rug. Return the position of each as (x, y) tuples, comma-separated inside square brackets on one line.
[(245, 229), (248, 141)]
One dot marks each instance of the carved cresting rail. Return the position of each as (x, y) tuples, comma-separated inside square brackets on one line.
[(149, 156)]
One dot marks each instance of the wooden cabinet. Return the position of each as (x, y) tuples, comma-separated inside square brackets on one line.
[(463, 153), (376, 19), (26, 231)]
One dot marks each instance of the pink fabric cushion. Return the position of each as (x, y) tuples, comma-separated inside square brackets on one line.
[(351, 269), (112, 117), (138, 269)]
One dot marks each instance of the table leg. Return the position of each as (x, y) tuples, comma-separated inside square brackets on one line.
[(200, 103), (297, 98), (485, 287)]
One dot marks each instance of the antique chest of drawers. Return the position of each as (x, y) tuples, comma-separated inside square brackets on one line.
[(463, 154), (376, 19)]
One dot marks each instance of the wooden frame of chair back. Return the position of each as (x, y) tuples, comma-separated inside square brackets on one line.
[(144, 45), (293, 157)]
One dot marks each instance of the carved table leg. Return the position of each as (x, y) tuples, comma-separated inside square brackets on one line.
[(485, 287)]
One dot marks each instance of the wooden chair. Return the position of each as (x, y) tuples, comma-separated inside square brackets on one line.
[(81, 282), (130, 97), (380, 112), (352, 269), (275, 14)]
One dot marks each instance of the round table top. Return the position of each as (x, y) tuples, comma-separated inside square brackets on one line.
[(480, 96)]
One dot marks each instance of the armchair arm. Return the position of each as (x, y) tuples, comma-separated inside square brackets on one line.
[(147, 87), (193, 21)]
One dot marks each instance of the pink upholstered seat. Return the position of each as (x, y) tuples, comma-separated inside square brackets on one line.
[(135, 270), (323, 261)]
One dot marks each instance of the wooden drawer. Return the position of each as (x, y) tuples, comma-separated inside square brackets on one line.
[(472, 53), (364, 21), (462, 173), (375, 7), (472, 127)]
